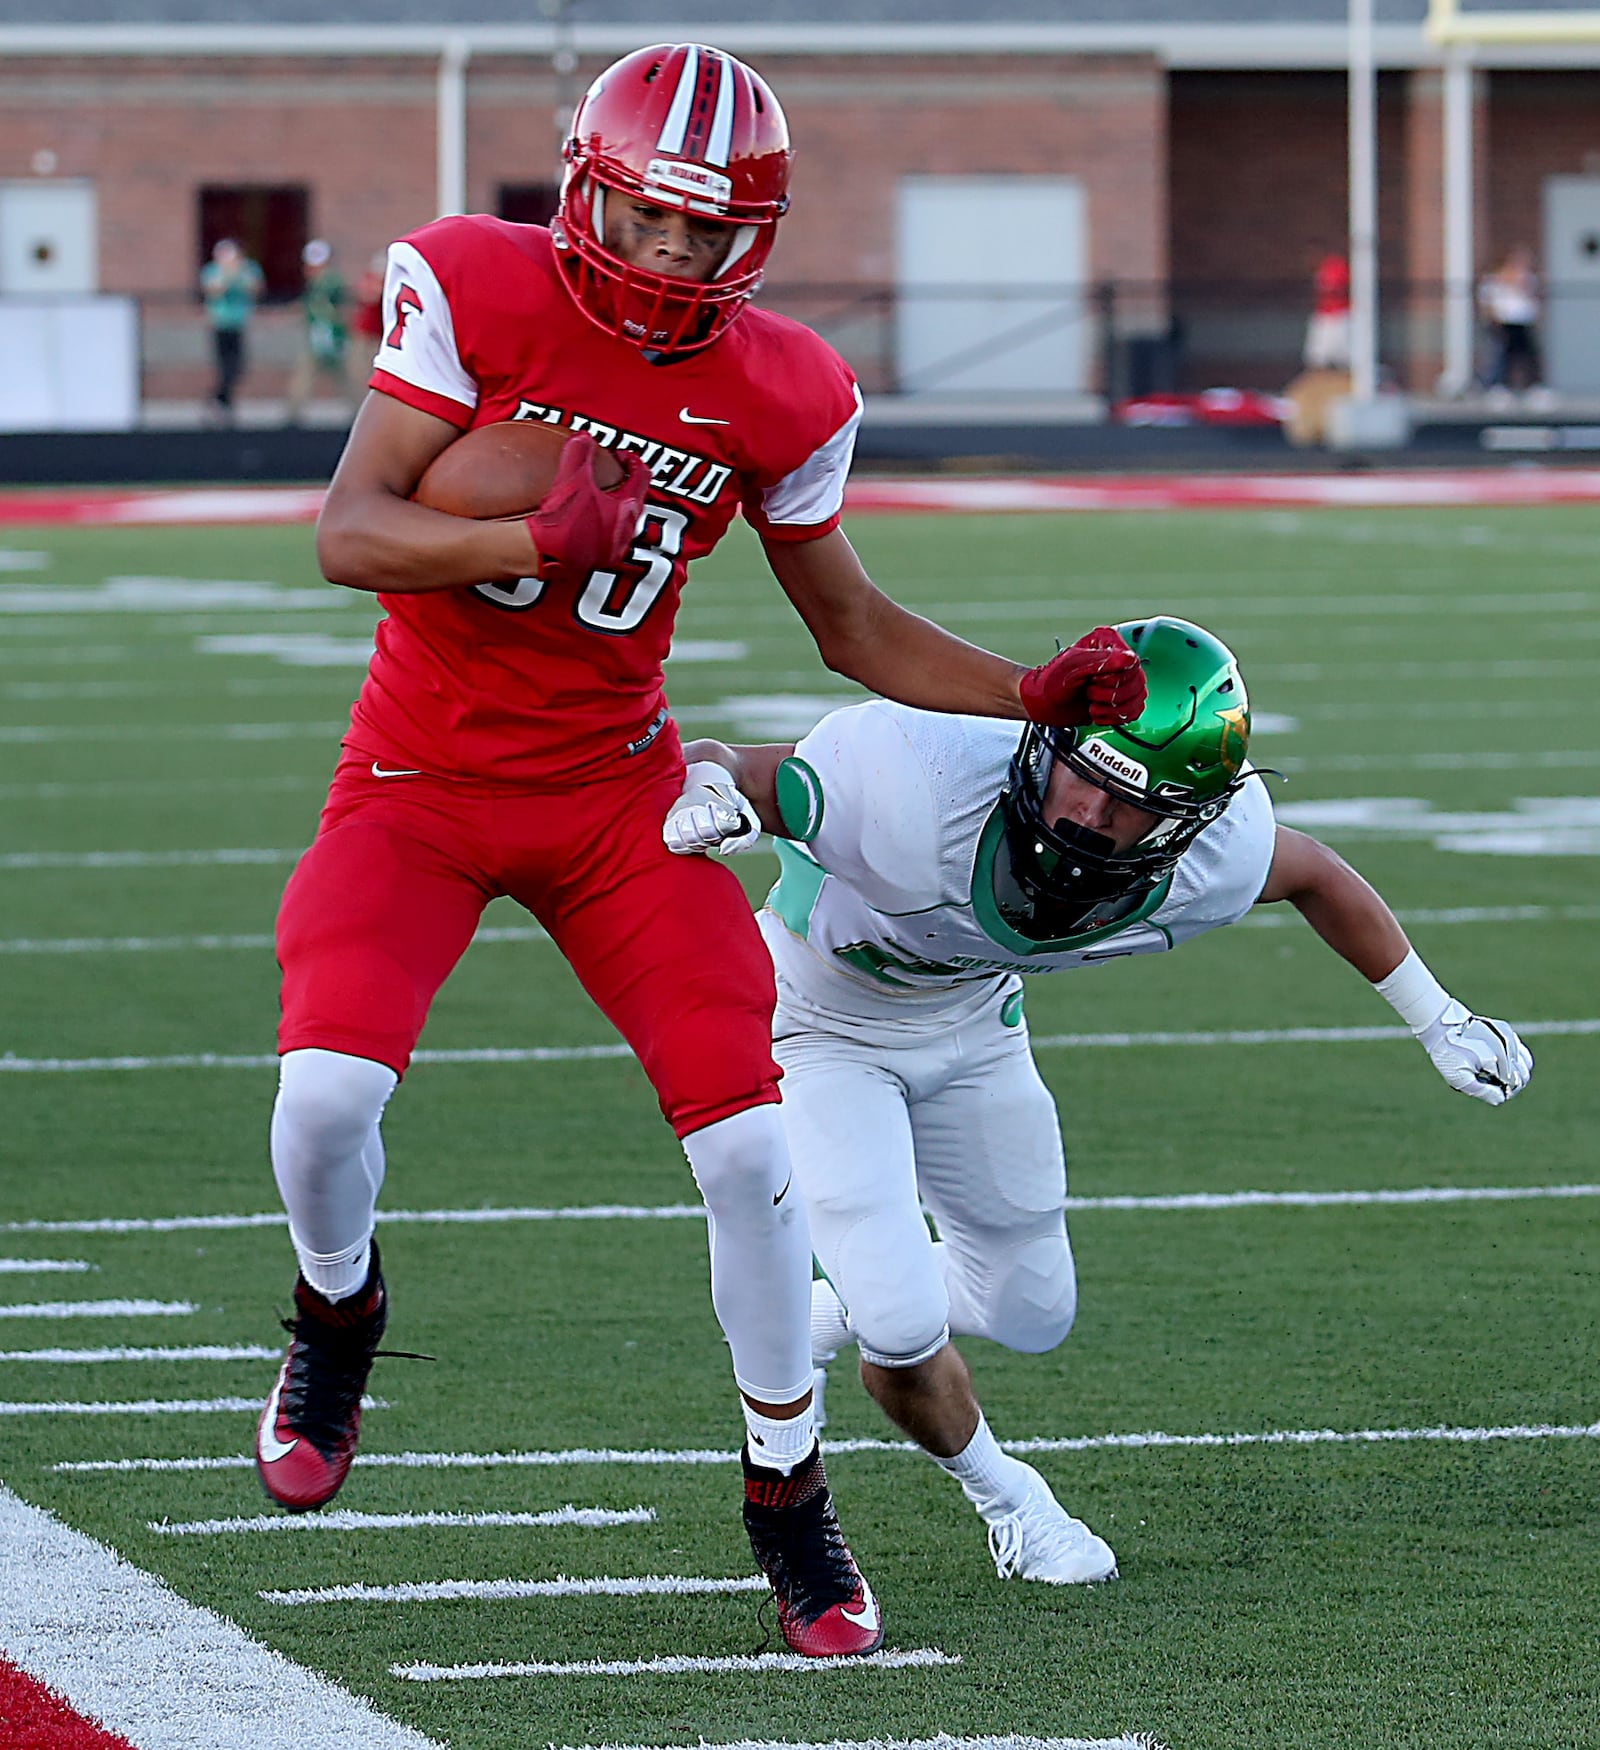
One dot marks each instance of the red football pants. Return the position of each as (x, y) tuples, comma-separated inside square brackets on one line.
[(383, 905)]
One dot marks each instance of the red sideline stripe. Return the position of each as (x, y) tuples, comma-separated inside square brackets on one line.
[(225, 506), (35, 1718)]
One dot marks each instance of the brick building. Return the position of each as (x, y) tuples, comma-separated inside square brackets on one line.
[(1188, 159)]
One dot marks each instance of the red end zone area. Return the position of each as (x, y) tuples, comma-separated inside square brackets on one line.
[(35, 1718), (1409, 488)]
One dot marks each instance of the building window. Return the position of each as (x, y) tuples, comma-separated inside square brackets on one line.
[(528, 203), (270, 221)]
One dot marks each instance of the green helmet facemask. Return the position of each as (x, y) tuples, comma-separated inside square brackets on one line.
[(1181, 760)]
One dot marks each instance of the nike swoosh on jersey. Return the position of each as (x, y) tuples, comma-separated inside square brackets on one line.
[(689, 418), (270, 1447), (867, 1616), (779, 1197), (385, 772)]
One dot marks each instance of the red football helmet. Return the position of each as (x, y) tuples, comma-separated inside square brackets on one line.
[(686, 127)]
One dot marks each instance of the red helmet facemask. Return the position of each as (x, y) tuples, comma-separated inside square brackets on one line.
[(687, 128)]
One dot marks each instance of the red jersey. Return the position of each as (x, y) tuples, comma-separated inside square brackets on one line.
[(538, 683), (1331, 284)]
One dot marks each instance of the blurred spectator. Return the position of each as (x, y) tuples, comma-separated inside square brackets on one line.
[(366, 323), (323, 334), (1327, 345), (1509, 301), (230, 283)]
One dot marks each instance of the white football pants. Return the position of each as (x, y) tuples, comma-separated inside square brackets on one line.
[(960, 1124)]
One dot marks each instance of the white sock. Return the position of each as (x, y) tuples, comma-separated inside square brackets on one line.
[(337, 1277), (991, 1480), (780, 1445), (830, 1329)]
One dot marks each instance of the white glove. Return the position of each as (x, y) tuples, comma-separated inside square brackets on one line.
[(1477, 1056), (710, 815)]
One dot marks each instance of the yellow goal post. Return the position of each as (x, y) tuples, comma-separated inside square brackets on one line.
[(1449, 22)]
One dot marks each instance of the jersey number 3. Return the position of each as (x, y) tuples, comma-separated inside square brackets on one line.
[(611, 601)]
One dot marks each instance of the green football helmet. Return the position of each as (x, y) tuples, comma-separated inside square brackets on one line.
[(1181, 760)]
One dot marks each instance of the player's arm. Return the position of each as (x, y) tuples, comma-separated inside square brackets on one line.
[(371, 535), (864, 635), (1346, 911), (1474, 1054), (729, 797)]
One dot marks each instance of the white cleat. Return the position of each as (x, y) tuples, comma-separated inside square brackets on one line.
[(1040, 1540)]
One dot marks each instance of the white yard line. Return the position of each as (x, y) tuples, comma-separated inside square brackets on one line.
[(121, 1352), (499, 1591), (143, 859), (99, 1309), (134, 734), (1126, 1741), (260, 942), (43, 1266), (344, 1519), (137, 1407), (125, 1650), (696, 1211), (590, 1053), (651, 1457), (678, 1665)]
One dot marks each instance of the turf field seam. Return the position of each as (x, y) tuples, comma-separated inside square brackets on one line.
[(585, 1053), (346, 1519), (696, 1211), (503, 1591), (1151, 1439), (753, 1664)]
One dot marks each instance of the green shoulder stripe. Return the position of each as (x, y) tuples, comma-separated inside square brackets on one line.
[(799, 795)]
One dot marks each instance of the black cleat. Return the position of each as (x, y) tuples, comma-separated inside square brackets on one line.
[(826, 1609)]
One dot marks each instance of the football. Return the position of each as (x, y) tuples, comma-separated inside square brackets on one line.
[(501, 470)]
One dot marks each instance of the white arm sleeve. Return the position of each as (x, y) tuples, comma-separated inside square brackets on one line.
[(426, 356), (878, 833)]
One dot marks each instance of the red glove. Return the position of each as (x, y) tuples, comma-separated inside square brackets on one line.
[(1097, 680), (582, 526)]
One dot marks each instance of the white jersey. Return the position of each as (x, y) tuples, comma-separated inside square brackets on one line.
[(879, 917)]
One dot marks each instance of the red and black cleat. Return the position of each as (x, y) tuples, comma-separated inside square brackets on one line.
[(306, 1437), (826, 1610)]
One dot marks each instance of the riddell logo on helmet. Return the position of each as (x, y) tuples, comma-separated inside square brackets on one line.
[(1118, 765), (709, 189)]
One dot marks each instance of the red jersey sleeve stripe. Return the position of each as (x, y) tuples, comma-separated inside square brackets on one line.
[(424, 400)]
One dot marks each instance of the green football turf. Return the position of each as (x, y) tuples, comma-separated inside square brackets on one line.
[(1396, 1593)]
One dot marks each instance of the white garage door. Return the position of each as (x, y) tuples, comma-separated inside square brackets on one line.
[(991, 281)]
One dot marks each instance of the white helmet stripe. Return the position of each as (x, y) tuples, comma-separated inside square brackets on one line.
[(721, 141), (677, 121)]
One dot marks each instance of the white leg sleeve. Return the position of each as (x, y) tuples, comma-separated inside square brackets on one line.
[(851, 1140), (992, 1173), (760, 1251), (327, 1156)]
